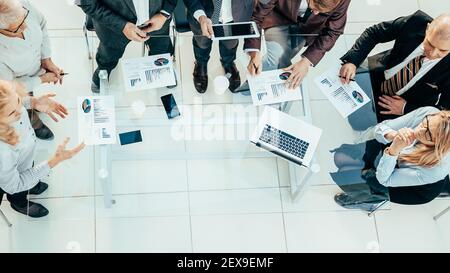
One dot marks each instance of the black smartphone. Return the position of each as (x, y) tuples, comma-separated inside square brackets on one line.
[(170, 106), (130, 137)]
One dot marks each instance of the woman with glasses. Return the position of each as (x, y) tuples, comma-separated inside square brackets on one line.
[(25, 54), (19, 176), (415, 163)]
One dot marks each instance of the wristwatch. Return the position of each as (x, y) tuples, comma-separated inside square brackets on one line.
[(167, 15)]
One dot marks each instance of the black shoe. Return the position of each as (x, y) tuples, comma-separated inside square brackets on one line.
[(39, 188), (44, 133), (95, 84), (349, 202), (33, 210), (234, 77), (201, 77)]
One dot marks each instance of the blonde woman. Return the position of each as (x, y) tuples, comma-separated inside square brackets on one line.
[(413, 168), (18, 174)]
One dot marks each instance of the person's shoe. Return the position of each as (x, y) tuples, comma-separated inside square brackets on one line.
[(95, 84), (200, 77), (234, 77), (39, 188), (33, 210), (349, 202), (44, 133), (367, 172)]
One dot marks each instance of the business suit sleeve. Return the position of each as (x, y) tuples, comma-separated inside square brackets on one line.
[(192, 6), (103, 15), (262, 9), (381, 33), (169, 5), (327, 38), (444, 100)]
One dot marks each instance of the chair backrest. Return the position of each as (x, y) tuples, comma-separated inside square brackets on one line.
[(180, 18), (417, 195)]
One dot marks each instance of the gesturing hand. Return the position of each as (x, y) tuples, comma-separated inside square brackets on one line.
[(49, 66), (206, 26), (46, 104), (63, 154), (405, 137), (255, 65), (347, 73), (155, 23)]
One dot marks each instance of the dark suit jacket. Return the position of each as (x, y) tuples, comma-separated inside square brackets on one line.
[(328, 26), (408, 33), (114, 14), (242, 9)]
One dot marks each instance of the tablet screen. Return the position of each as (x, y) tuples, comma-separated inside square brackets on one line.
[(233, 30)]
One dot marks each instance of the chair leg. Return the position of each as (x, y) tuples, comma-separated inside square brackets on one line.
[(4, 218), (174, 44), (441, 214), (378, 206), (87, 43)]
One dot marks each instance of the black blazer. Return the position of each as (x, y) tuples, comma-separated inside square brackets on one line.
[(408, 32), (114, 14), (242, 9)]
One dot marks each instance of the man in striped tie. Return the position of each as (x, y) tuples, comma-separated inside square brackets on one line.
[(414, 73)]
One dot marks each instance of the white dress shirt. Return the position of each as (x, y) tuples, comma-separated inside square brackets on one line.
[(142, 8), (17, 173), (20, 59), (426, 67), (226, 12)]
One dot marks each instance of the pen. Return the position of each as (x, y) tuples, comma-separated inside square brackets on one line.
[(256, 68), (63, 74), (352, 80)]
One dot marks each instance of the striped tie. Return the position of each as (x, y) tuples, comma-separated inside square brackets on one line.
[(217, 8), (391, 86)]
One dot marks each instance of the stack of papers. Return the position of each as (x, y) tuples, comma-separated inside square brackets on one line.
[(148, 72), (96, 120), (270, 87)]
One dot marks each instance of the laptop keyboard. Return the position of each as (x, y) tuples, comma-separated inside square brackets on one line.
[(284, 141)]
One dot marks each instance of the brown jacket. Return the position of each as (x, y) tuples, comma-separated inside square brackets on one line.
[(328, 26)]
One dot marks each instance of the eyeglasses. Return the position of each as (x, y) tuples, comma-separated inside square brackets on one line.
[(428, 132), (21, 24)]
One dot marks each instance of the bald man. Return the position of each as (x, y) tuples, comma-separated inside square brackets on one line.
[(414, 73)]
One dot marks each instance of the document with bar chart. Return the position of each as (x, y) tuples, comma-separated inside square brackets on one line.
[(148, 72), (346, 98), (96, 120), (270, 88)]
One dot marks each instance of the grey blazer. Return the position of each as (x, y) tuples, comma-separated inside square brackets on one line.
[(114, 14)]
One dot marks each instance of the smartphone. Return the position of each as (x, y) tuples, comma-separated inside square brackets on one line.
[(235, 31), (170, 106), (141, 27), (130, 137)]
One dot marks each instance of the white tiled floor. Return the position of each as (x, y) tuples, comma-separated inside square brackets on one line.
[(179, 201)]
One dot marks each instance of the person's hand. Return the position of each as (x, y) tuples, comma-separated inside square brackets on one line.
[(63, 154), (405, 137), (255, 65), (347, 73), (49, 77), (206, 26), (155, 23), (298, 73), (133, 33), (394, 105), (46, 104), (391, 135), (49, 66)]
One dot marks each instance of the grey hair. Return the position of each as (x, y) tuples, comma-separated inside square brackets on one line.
[(442, 26), (9, 12)]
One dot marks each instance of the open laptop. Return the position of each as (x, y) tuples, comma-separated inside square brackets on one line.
[(286, 136)]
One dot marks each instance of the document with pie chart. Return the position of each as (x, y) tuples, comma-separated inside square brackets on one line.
[(346, 98), (148, 72)]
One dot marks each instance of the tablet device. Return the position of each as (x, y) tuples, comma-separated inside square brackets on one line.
[(235, 31), (170, 106)]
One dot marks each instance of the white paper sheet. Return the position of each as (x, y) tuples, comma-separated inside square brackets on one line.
[(270, 88), (148, 72), (346, 98), (96, 120)]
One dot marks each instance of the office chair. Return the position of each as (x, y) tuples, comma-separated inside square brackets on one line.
[(5, 218), (88, 26), (445, 211), (181, 24)]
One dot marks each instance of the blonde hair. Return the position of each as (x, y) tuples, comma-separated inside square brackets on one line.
[(430, 155), (7, 133), (327, 4)]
